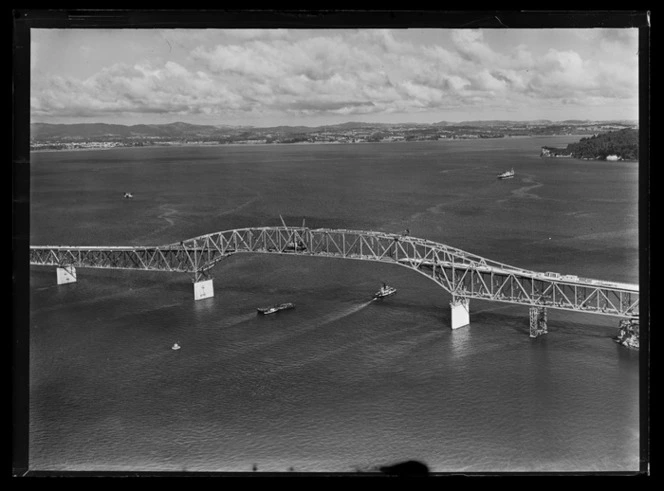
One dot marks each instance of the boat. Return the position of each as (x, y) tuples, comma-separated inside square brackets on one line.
[(275, 308), (507, 174), (128, 196), (385, 291), (176, 346)]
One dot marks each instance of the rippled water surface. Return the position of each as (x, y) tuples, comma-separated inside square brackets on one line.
[(340, 383)]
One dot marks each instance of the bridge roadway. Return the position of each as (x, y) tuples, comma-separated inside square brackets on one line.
[(462, 274)]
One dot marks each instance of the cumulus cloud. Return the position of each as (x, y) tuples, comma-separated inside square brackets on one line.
[(139, 88), (341, 72), (470, 44)]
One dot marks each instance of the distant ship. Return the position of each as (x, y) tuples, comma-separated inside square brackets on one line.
[(128, 196), (507, 174), (385, 291), (176, 346), (275, 308)]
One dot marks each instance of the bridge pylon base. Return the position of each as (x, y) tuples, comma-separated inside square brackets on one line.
[(203, 289), (460, 310), (66, 274), (537, 321)]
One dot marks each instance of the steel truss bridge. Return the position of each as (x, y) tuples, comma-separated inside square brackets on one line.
[(462, 274)]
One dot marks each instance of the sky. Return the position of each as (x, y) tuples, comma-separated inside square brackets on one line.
[(268, 77)]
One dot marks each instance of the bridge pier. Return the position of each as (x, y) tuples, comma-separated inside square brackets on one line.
[(66, 274), (459, 307), (203, 289), (537, 321)]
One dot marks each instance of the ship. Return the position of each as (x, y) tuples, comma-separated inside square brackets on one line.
[(385, 291), (507, 174), (128, 196), (176, 346), (275, 308)]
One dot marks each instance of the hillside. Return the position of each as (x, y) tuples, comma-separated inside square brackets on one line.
[(622, 143), (100, 135), (613, 145)]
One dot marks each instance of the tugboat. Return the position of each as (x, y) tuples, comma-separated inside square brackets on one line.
[(385, 291), (275, 308), (507, 174), (176, 346)]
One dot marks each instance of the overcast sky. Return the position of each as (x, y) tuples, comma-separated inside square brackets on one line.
[(265, 77)]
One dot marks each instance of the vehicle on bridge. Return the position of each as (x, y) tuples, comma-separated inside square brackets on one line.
[(385, 291), (275, 308)]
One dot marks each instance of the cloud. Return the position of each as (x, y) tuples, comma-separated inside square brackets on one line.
[(470, 44), (232, 72), (250, 34), (135, 89)]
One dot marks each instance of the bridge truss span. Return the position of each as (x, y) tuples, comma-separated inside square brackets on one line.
[(462, 274)]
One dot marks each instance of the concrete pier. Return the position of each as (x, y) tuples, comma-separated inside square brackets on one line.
[(203, 289), (537, 321), (66, 274), (460, 310)]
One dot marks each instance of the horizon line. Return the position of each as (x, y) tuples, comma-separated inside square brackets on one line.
[(352, 122)]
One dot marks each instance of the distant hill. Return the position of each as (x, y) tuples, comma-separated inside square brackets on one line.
[(87, 131), (99, 130), (90, 135), (498, 122)]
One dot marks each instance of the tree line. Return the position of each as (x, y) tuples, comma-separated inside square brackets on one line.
[(623, 143)]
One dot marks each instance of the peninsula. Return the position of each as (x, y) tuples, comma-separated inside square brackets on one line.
[(613, 145)]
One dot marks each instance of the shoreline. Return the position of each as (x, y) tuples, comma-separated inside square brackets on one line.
[(46, 150)]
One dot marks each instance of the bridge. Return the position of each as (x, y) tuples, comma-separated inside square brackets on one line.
[(463, 275)]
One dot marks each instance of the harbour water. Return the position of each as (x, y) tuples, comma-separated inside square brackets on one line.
[(341, 383)]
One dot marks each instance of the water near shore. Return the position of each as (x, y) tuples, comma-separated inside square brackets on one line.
[(340, 383)]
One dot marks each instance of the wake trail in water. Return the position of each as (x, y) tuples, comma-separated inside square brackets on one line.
[(290, 336), (335, 316), (239, 207), (168, 212), (46, 288), (524, 191), (234, 320)]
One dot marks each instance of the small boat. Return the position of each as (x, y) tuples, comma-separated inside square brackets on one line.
[(275, 308), (128, 196), (176, 346), (385, 291), (507, 174)]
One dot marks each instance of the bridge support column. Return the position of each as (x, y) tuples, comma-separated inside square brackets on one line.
[(537, 321), (203, 289), (66, 274), (628, 334), (459, 307)]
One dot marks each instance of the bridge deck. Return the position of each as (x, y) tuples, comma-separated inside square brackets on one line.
[(460, 273)]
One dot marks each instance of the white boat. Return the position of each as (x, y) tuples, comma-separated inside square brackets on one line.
[(128, 196), (176, 346), (385, 291), (507, 174)]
